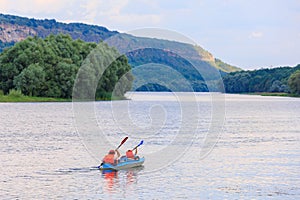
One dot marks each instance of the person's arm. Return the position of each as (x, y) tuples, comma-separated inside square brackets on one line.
[(135, 151), (118, 153)]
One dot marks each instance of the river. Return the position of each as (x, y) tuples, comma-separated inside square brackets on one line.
[(196, 146)]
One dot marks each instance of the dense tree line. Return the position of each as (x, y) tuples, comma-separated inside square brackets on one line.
[(262, 80), (294, 82), (48, 67), (153, 87)]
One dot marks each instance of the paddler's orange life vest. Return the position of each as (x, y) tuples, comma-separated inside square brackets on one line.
[(109, 158), (129, 154)]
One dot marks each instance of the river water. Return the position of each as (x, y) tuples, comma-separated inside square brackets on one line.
[(253, 150)]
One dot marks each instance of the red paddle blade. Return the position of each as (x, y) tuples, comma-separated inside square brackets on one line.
[(124, 140)]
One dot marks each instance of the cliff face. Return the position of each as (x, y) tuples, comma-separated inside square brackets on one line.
[(15, 33), (14, 29)]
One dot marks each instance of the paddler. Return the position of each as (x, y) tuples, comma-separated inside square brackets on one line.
[(112, 157), (130, 155)]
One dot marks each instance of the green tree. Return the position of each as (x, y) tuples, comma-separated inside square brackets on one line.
[(30, 80), (101, 71), (48, 67), (294, 82), (65, 76)]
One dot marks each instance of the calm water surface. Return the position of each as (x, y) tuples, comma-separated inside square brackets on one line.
[(257, 155)]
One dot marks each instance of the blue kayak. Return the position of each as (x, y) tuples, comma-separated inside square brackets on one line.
[(124, 163)]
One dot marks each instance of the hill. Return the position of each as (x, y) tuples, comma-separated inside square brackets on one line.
[(158, 65), (14, 29)]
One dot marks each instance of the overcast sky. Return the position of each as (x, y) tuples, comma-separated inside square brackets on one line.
[(250, 34)]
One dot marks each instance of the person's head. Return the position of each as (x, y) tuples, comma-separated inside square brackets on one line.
[(129, 150), (111, 152)]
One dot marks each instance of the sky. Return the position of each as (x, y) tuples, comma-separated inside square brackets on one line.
[(250, 34)]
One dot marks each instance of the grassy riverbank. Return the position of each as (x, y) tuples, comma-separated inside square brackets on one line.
[(8, 98), (278, 94), (17, 96)]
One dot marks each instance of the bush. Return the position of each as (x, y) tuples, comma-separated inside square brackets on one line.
[(15, 93)]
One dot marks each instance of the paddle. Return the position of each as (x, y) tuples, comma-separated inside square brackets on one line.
[(138, 145), (123, 141)]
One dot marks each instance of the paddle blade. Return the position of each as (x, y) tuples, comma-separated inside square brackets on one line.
[(141, 142), (123, 141), (138, 145)]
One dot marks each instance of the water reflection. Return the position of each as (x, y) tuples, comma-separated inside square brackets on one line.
[(114, 180), (110, 178)]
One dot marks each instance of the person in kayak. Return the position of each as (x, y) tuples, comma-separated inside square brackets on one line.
[(111, 157), (130, 155)]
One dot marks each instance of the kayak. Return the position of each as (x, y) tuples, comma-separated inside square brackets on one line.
[(124, 163)]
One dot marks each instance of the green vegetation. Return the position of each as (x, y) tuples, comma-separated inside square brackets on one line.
[(104, 73), (181, 57), (264, 80), (92, 33), (277, 94), (226, 67), (153, 87), (294, 82), (48, 67), (147, 50), (167, 67), (43, 68), (17, 96)]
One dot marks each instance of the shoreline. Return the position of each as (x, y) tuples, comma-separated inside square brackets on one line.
[(30, 99), (274, 94)]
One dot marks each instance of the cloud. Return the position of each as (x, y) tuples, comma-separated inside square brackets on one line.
[(117, 14), (33, 6), (90, 10), (120, 13), (136, 19), (102, 9), (256, 34)]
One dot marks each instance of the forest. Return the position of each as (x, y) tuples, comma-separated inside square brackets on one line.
[(173, 71), (280, 80), (49, 67)]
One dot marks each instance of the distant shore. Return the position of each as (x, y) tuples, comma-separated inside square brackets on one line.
[(278, 94)]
